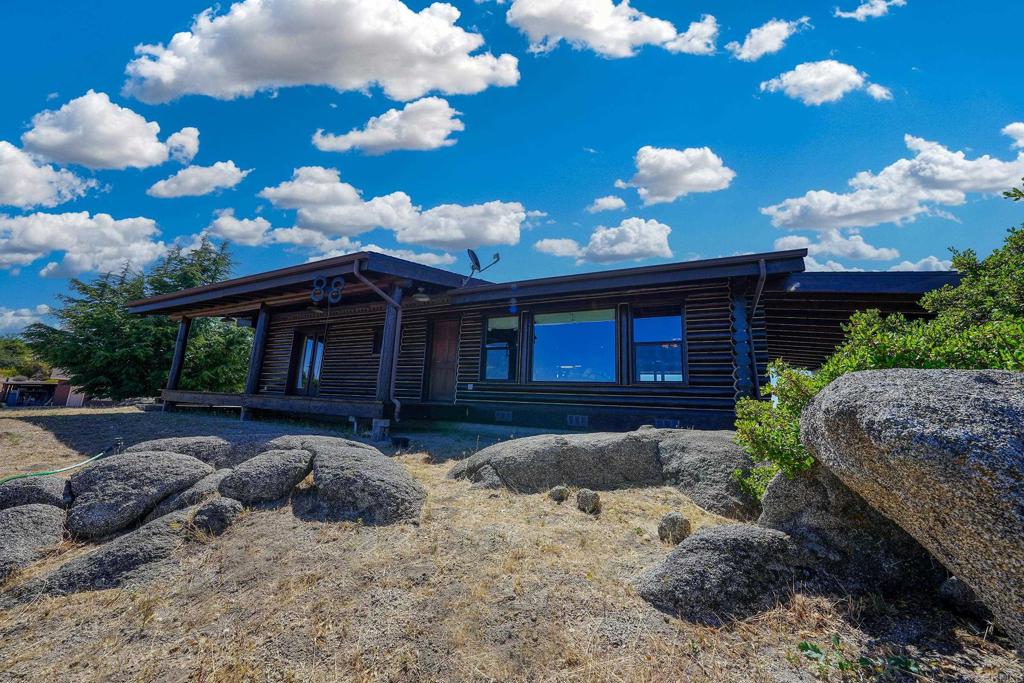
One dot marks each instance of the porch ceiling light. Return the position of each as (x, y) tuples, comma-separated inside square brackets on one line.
[(421, 297)]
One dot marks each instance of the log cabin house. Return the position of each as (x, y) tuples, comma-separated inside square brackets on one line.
[(671, 345)]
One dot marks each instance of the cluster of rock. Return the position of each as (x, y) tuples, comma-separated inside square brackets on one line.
[(920, 474), (142, 504), (701, 464)]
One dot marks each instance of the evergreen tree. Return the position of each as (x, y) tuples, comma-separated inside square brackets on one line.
[(111, 353)]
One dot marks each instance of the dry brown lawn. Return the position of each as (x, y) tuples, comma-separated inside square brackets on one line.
[(489, 586)]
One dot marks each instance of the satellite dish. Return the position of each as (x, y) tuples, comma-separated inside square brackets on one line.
[(474, 262)]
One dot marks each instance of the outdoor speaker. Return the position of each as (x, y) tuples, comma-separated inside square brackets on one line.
[(334, 295)]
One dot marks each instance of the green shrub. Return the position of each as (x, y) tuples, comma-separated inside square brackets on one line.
[(978, 324)]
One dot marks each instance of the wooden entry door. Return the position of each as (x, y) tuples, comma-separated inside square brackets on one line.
[(444, 360)]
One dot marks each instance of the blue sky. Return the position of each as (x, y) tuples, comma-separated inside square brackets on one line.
[(733, 126)]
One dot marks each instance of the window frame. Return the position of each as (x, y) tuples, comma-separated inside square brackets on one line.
[(528, 334), (299, 336), (671, 308), (515, 354)]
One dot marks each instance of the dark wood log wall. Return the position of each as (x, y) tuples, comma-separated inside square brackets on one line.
[(349, 366), (709, 342), (804, 328)]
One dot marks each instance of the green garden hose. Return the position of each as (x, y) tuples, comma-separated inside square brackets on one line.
[(116, 448)]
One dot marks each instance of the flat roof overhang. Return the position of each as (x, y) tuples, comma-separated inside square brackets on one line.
[(775, 263), (906, 282), (245, 294)]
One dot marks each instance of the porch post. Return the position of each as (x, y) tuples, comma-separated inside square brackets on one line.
[(389, 347), (259, 345), (178, 359), (742, 341)]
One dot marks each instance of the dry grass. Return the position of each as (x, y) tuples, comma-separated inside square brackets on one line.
[(488, 587)]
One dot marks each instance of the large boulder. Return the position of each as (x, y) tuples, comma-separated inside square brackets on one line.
[(215, 516), (49, 490), (213, 450), (702, 465), (941, 453), (201, 491), (722, 572), (359, 483), (268, 477), (209, 449), (598, 461), (26, 531), (129, 558), (852, 543), (117, 491), (315, 444)]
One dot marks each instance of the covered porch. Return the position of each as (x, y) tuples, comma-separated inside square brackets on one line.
[(326, 335)]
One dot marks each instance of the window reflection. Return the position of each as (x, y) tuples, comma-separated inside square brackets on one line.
[(576, 346), (658, 346)]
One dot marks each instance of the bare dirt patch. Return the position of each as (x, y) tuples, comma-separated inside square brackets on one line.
[(488, 587)]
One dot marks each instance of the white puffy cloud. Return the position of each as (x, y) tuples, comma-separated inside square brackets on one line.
[(326, 205), (98, 242), (183, 145), (94, 132), (14, 320), (609, 29), (26, 181), (825, 81), (698, 39), (606, 203), (558, 246), (634, 239), (421, 125), (664, 174), (195, 181), (835, 243), (250, 232), (933, 176), (344, 44), (869, 9), (1016, 132), (928, 263), (878, 92), (325, 247), (453, 226), (766, 39)]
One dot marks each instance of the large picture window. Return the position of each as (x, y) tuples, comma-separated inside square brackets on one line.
[(307, 362), (501, 344), (658, 346), (577, 346)]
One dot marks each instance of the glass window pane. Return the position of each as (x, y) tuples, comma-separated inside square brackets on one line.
[(659, 328), (318, 361), (577, 346), (501, 345), (659, 362), (497, 364), (302, 376)]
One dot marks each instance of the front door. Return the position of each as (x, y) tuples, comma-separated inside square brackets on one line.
[(444, 360)]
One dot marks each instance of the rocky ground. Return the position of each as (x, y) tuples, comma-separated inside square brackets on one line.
[(490, 585)]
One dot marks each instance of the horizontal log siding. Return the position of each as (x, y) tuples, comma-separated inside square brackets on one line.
[(708, 337), (412, 357), (804, 329), (349, 366)]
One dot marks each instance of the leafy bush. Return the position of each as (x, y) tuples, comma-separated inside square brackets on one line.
[(978, 324)]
